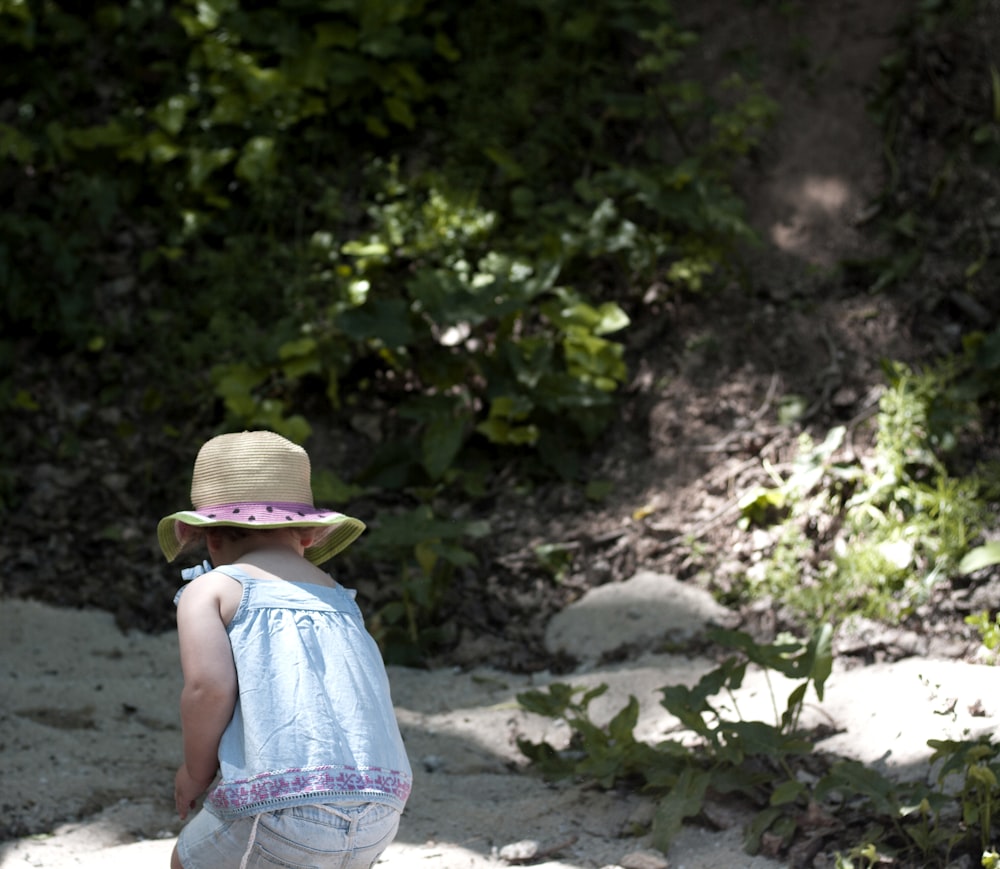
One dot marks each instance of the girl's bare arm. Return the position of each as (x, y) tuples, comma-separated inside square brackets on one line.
[(210, 687)]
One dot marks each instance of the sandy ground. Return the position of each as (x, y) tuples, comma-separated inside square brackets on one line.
[(90, 740)]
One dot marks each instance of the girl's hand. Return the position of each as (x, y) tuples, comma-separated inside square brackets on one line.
[(186, 791)]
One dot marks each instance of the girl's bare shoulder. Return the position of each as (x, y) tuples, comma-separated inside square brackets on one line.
[(212, 589)]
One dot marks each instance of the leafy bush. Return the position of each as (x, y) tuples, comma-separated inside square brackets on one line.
[(295, 212), (795, 794), (740, 757), (897, 522), (275, 162)]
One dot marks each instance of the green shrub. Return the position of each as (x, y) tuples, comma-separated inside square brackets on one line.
[(900, 521), (286, 214)]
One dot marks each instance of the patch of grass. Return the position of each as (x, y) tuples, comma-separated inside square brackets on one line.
[(872, 535)]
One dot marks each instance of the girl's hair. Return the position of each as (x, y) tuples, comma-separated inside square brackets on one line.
[(233, 533)]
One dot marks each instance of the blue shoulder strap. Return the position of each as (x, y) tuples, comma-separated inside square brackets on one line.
[(189, 573)]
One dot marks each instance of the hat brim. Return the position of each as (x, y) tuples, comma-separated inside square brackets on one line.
[(337, 531)]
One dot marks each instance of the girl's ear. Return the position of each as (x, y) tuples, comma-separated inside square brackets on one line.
[(307, 536), (212, 541)]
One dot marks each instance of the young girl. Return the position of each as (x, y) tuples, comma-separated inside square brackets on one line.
[(285, 694)]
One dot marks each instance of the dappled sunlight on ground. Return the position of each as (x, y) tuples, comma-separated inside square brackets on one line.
[(814, 204)]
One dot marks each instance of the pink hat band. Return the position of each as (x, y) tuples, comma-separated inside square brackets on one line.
[(265, 513)]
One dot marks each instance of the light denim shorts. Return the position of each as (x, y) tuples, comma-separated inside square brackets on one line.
[(301, 837)]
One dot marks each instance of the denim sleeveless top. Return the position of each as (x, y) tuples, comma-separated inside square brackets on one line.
[(314, 721)]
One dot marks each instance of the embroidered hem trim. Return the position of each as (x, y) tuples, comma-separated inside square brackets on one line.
[(232, 797)]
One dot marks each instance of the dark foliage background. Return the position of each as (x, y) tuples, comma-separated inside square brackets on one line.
[(436, 243)]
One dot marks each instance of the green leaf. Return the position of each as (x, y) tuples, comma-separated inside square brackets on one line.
[(787, 792), (414, 527), (505, 161), (230, 109), (551, 703), (503, 424), (760, 738), (982, 556), (365, 248), (299, 358), (457, 556), (821, 653), (336, 35), (399, 110), (203, 162), (853, 779), (237, 380), (296, 428), (446, 48), (761, 506), (995, 91), (621, 727), (15, 144), (210, 12), (386, 320), (690, 704), (329, 488), (549, 762), (598, 490), (257, 160), (24, 400), (172, 113), (760, 824), (441, 442), (684, 801), (110, 135)]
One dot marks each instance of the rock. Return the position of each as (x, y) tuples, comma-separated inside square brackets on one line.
[(433, 762), (528, 850), (647, 859), (644, 609), (519, 852)]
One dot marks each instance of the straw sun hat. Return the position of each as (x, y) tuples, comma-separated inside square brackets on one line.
[(255, 479)]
